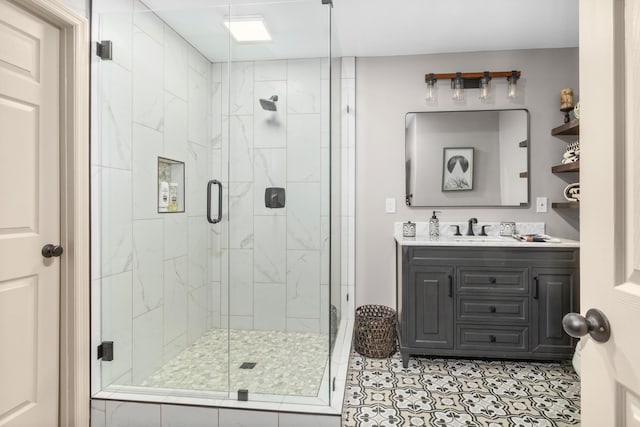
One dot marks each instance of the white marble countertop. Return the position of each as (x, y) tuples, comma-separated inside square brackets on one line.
[(480, 241)]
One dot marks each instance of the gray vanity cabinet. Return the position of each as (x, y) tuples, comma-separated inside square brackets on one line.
[(501, 302)]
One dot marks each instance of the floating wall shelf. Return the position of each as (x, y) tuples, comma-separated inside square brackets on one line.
[(565, 205), (571, 128), (569, 167)]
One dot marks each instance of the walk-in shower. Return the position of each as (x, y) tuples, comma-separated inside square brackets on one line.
[(206, 284)]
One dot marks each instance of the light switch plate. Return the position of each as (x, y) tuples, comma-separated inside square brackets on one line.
[(541, 204), (390, 205)]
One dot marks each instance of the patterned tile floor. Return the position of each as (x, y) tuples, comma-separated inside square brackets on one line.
[(287, 363), (460, 392)]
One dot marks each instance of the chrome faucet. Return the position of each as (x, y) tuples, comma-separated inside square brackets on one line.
[(470, 229)]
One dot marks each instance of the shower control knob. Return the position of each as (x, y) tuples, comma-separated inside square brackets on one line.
[(595, 323), (49, 251)]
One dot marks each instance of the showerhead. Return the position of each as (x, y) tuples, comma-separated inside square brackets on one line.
[(269, 104)]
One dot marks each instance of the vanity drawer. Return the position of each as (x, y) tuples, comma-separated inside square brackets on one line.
[(497, 338), (479, 308), (494, 281)]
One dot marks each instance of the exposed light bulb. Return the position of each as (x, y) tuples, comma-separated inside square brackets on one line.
[(458, 89), (485, 86), (431, 90), (512, 88)]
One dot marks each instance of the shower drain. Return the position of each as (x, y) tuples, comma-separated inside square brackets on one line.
[(248, 365)]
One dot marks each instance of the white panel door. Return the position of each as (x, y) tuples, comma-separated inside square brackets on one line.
[(29, 218), (610, 207)]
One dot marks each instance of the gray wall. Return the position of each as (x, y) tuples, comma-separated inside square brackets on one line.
[(389, 87)]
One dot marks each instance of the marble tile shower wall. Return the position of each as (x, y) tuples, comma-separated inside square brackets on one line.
[(154, 273), (278, 258)]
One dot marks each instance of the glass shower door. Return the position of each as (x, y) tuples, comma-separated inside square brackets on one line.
[(156, 257), (278, 197)]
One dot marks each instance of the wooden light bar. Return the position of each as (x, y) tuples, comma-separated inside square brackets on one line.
[(471, 76)]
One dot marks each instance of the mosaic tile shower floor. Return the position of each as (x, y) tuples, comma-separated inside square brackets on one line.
[(460, 392), (287, 363)]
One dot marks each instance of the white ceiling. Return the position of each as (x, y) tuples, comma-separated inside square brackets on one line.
[(375, 27), (408, 27)]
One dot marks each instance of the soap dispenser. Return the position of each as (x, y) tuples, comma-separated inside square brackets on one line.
[(434, 226)]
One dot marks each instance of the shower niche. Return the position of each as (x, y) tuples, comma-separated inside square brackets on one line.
[(170, 186)]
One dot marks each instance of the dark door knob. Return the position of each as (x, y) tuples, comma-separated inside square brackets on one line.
[(50, 250), (595, 323)]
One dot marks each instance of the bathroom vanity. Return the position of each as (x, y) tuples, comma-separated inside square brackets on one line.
[(495, 298)]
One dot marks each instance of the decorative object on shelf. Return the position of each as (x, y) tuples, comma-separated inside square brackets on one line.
[(409, 229), (566, 103), (472, 80), (507, 228), (566, 98), (457, 169), (576, 110), (572, 192), (572, 153)]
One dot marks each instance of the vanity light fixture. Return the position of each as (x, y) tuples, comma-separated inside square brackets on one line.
[(475, 80), (247, 28), (431, 88)]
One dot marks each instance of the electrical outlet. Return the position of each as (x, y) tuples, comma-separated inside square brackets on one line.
[(541, 204), (390, 205)]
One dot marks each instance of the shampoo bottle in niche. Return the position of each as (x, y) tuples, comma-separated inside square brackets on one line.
[(173, 197), (434, 226), (163, 196)]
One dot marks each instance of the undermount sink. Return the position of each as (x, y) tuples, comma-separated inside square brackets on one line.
[(480, 239)]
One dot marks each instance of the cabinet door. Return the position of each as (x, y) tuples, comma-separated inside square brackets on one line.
[(430, 299), (554, 295)]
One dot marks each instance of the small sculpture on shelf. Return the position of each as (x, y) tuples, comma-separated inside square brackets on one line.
[(566, 103), (572, 154), (572, 192)]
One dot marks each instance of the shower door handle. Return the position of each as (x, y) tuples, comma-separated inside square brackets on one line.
[(209, 185)]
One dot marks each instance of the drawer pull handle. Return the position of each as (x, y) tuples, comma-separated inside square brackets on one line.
[(492, 309), (492, 280), (492, 338), (536, 288), (450, 293)]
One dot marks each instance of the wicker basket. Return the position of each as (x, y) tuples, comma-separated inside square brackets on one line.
[(375, 331)]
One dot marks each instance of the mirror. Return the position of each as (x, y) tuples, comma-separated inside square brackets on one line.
[(467, 158)]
